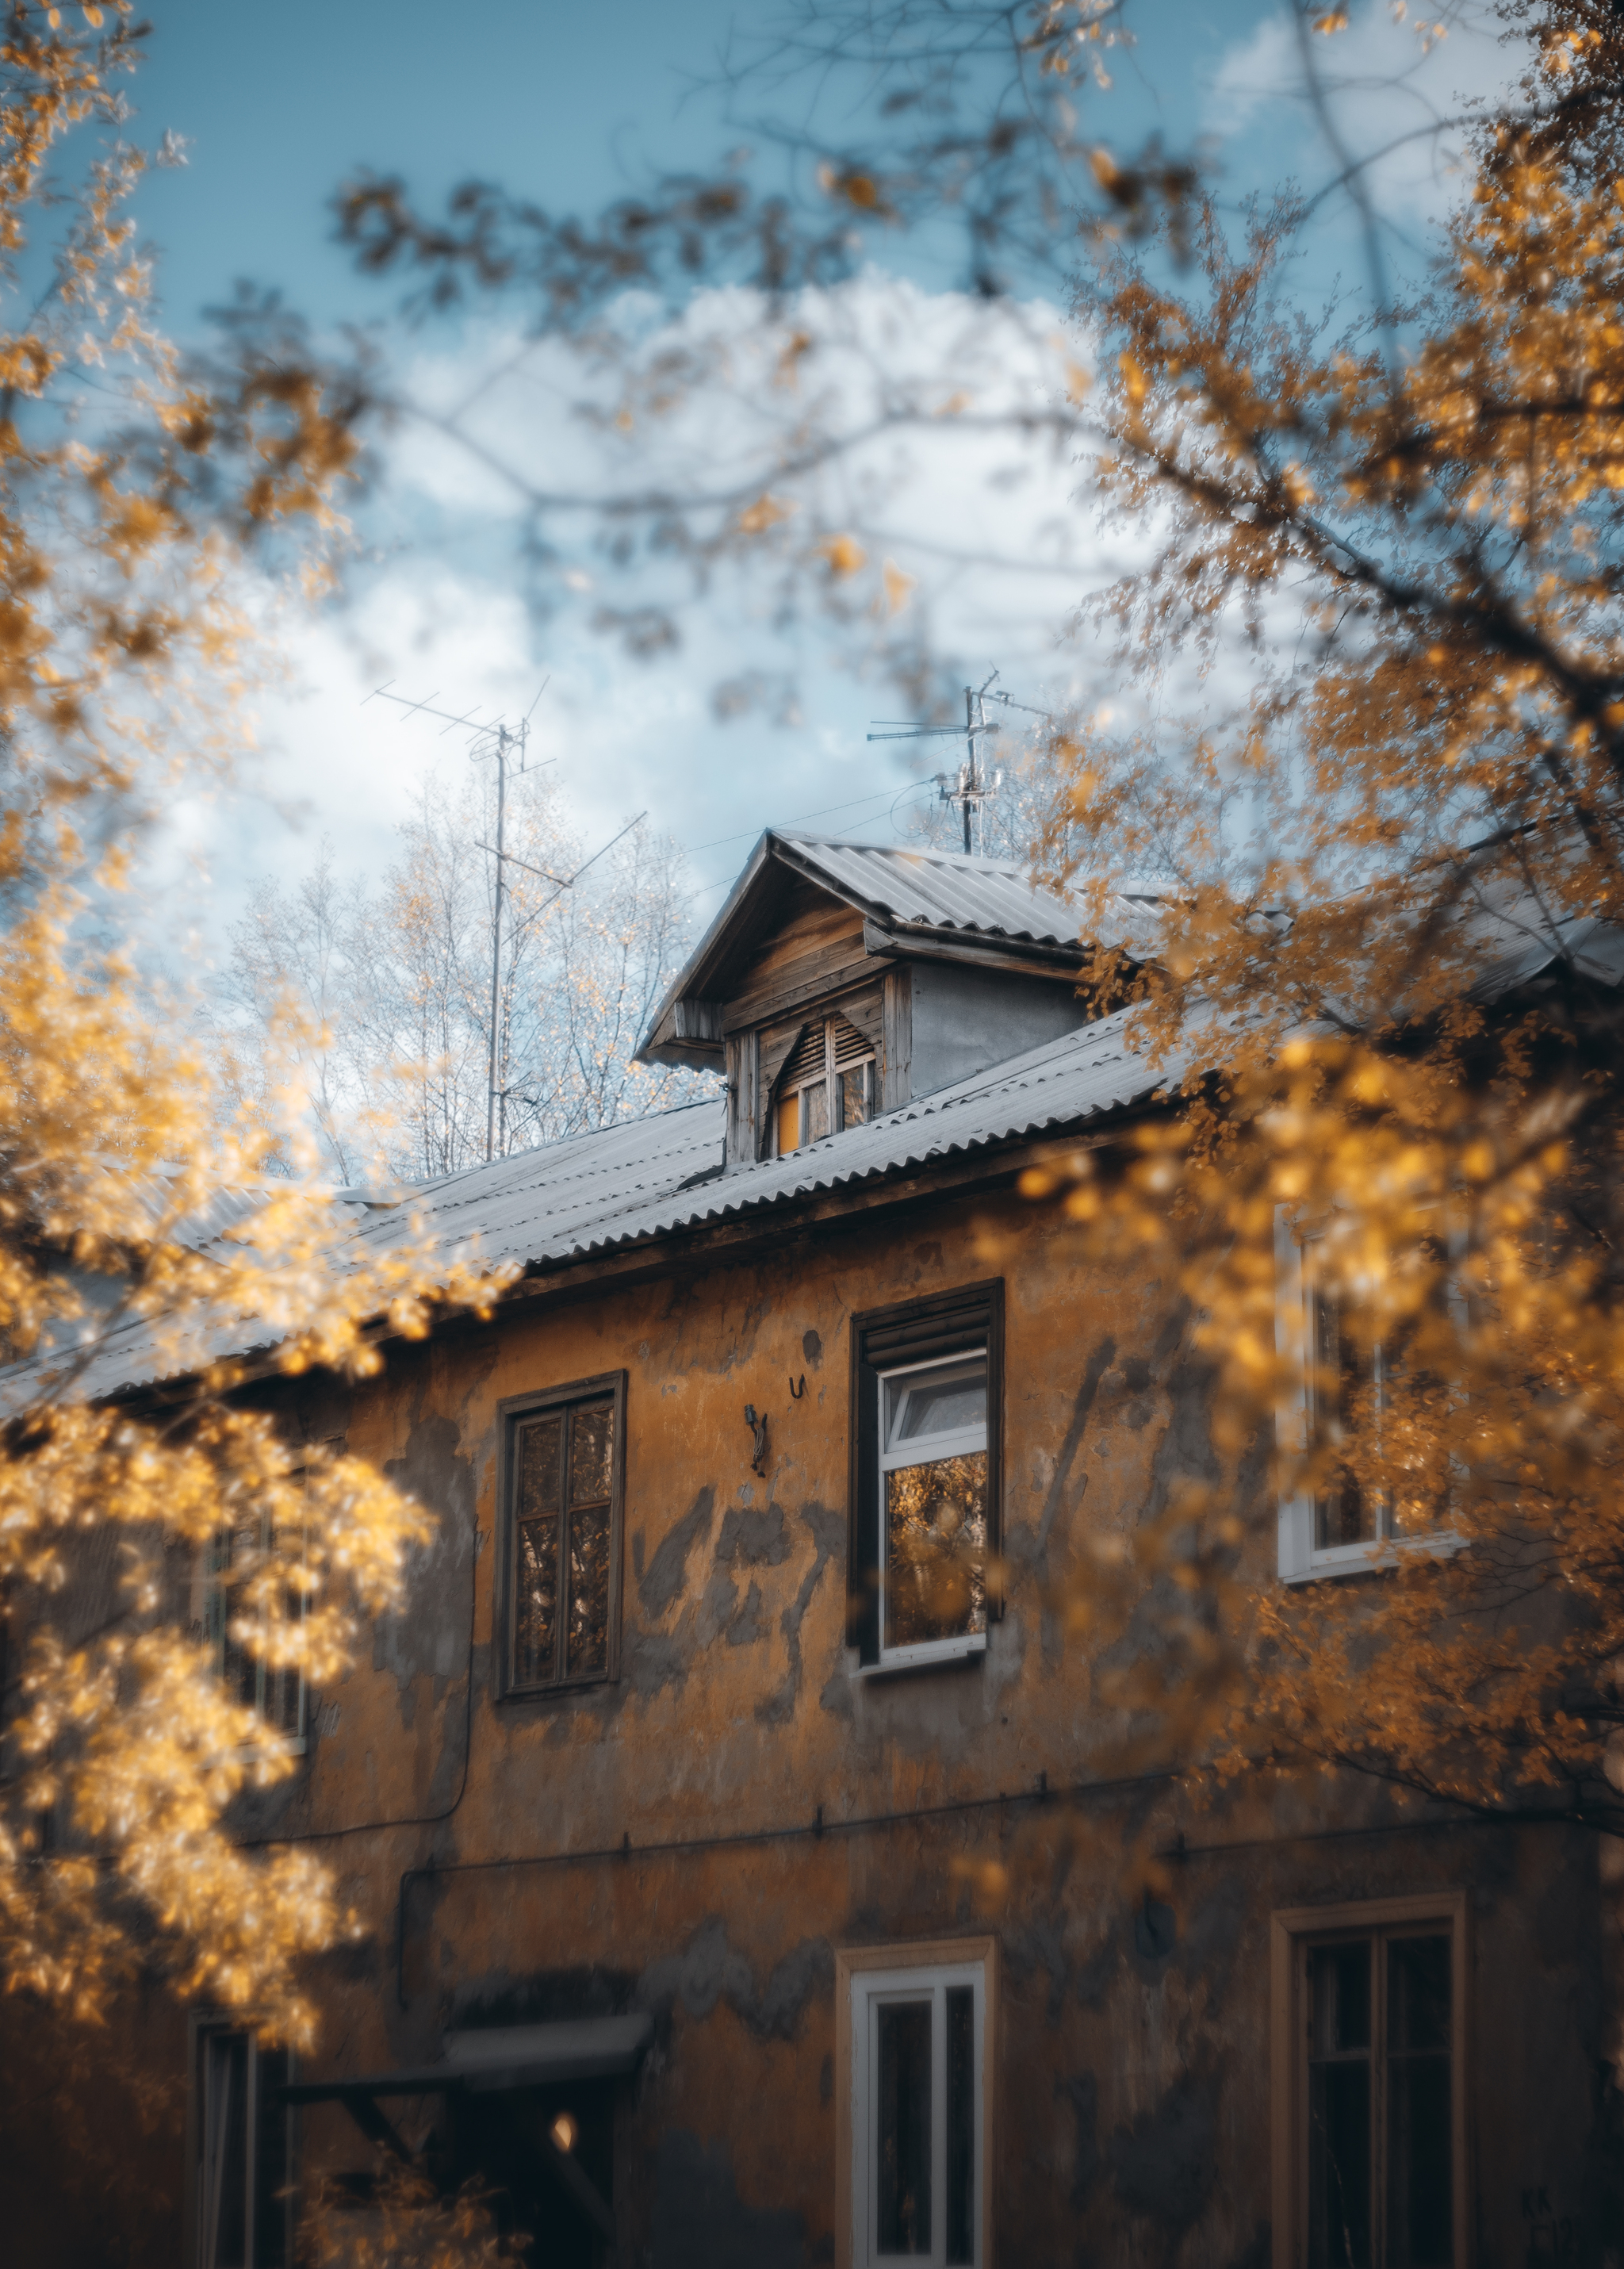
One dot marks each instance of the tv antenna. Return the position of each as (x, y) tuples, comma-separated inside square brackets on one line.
[(509, 745), (971, 786)]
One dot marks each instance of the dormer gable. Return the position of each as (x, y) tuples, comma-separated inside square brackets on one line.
[(841, 979)]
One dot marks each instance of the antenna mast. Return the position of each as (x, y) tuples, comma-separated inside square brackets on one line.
[(973, 787), (503, 742)]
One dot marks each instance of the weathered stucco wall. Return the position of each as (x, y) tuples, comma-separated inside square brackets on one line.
[(1132, 2088)]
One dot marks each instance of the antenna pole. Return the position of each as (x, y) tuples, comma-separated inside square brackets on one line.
[(493, 1091), (970, 789), (969, 736)]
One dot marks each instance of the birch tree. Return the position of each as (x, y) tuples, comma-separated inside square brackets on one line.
[(390, 987)]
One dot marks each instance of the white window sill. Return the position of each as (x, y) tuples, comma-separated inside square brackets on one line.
[(920, 1657), (1372, 1559)]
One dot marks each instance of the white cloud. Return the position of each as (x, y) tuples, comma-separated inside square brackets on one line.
[(994, 524)]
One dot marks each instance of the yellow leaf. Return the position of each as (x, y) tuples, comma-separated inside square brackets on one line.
[(765, 512), (845, 556), (899, 588)]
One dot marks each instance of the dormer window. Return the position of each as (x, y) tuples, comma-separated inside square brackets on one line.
[(827, 1082)]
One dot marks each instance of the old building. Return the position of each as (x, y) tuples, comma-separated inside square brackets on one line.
[(669, 1793)]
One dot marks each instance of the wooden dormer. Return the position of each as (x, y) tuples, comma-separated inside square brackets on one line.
[(841, 979)]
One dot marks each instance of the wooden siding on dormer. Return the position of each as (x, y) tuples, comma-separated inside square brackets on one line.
[(815, 950)]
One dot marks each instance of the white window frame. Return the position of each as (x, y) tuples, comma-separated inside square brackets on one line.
[(964, 1443), (1301, 1560), (864, 1977)]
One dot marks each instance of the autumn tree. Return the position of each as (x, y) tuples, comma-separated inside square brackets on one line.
[(136, 1229)]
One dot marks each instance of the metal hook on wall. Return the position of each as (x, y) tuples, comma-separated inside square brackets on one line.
[(795, 1393), (758, 1427)]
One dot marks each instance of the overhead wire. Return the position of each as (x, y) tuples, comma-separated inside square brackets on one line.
[(912, 787)]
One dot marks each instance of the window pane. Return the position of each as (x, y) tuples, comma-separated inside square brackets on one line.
[(815, 1111), (270, 2176), (943, 1403), (285, 1686), (1341, 1998), (539, 1445), (935, 1550), (536, 1605), (241, 1670), (902, 2141), (1418, 1995), (789, 1125), (1338, 2147), (1419, 2190), (223, 2177), (961, 2124), (1342, 1394), (535, 1572), (588, 1638), (854, 1097), (592, 1444)]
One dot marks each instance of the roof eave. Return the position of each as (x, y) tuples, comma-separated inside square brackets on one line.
[(688, 981)]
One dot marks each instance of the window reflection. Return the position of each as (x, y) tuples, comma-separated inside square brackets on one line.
[(935, 1550), (933, 1503), (561, 1569)]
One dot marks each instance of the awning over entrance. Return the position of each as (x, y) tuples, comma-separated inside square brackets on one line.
[(477, 2062)]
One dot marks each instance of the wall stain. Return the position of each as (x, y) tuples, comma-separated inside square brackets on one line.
[(710, 1969), (828, 1529), (666, 1574)]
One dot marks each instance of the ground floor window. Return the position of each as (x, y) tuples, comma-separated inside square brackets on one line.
[(914, 2062), (242, 2168), (1369, 2112)]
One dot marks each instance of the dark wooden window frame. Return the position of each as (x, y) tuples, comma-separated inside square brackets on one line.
[(969, 1317), (510, 1414), (1292, 1932)]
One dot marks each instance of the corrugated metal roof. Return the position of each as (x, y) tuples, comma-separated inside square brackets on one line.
[(900, 883), (1523, 943), (572, 1201), (651, 1177), (914, 901), (635, 1183)]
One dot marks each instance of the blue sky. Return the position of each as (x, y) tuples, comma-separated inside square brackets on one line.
[(573, 106), (571, 103)]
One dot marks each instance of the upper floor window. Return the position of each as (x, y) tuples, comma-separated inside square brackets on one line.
[(827, 1082), (562, 1486), (928, 1389), (274, 1691), (1344, 1390)]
